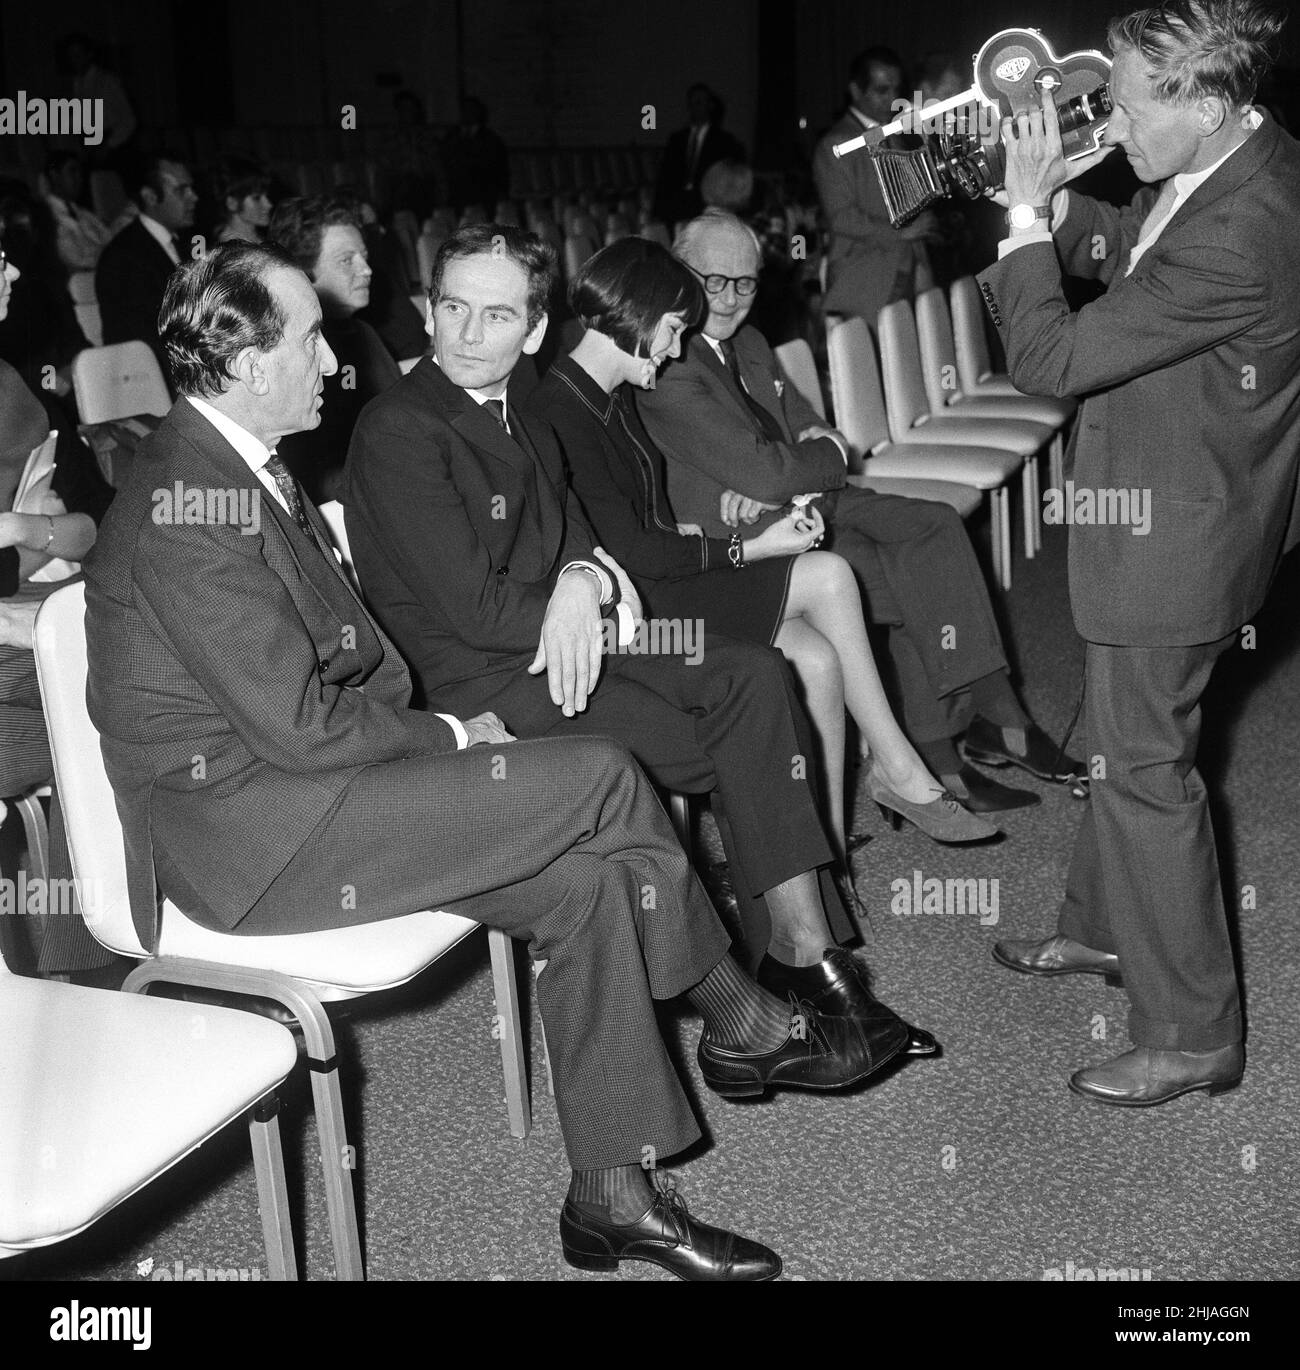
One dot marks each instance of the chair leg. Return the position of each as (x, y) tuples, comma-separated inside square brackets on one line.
[(1027, 474), (506, 988), (272, 1191), (1000, 527), (322, 1063), (1038, 506), (679, 810), (1056, 463), (37, 834), (538, 968)]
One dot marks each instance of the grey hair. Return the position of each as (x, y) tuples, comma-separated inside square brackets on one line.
[(689, 232)]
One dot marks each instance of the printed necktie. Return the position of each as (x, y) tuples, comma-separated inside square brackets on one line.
[(771, 429), (288, 487)]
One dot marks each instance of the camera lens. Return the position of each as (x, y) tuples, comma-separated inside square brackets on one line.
[(1085, 109)]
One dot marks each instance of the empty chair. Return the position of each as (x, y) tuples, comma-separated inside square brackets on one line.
[(81, 286), (617, 226), (860, 414), (578, 247), (101, 1092), (118, 381), (90, 323), (800, 369), (657, 231), (975, 369), (507, 212), (298, 971)]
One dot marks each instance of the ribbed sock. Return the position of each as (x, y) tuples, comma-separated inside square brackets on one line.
[(993, 698), (620, 1194), (738, 1013)]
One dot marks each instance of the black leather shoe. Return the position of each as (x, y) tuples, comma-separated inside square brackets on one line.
[(987, 744), (1147, 1076), (665, 1235), (982, 795), (838, 987), (819, 1052), (1056, 956)]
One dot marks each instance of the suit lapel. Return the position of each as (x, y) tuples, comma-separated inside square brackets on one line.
[(758, 380), (699, 352)]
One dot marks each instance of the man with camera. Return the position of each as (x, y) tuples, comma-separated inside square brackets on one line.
[(1189, 371)]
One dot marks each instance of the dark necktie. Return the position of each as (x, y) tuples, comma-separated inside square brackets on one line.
[(497, 408), (771, 429), (288, 487)]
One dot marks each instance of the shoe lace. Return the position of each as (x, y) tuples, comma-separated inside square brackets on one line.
[(809, 1020), (669, 1202)]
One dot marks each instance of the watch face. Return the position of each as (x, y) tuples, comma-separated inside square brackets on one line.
[(1023, 216)]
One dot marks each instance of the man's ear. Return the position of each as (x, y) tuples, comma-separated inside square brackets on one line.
[(855, 92), (248, 369), (1213, 111), (429, 325), (534, 339)]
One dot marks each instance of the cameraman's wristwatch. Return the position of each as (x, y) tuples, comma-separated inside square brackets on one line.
[(1024, 217)]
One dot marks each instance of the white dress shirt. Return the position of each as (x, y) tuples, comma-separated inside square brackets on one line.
[(256, 454), (161, 236)]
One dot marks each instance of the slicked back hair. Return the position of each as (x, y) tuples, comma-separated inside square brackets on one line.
[(298, 226), (626, 289), (1195, 48), (527, 250), (215, 307), (691, 231)]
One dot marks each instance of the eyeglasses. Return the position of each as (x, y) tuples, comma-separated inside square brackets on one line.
[(715, 285)]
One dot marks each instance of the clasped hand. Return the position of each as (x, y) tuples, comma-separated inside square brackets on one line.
[(1036, 164)]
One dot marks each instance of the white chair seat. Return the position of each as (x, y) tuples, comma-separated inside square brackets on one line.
[(965, 499), (339, 964), (983, 468), (1019, 408), (1018, 437), (101, 1091)]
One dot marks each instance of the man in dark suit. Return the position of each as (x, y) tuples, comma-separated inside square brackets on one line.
[(477, 558), (869, 263), (740, 444), (135, 265), (691, 151), (255, 726), (1189, 371)]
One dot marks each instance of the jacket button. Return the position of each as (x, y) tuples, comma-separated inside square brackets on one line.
[(503, 570), (323, 664)]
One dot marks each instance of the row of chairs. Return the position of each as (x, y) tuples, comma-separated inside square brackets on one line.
[(928, 411)]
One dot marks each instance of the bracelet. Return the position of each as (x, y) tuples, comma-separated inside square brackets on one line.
[(736, 552), (49, 539)]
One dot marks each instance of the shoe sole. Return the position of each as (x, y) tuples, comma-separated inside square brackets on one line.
[(1114, 978), (996, 759), (754, 1090), (607, 1264), (1208, 1086), (895, 817)]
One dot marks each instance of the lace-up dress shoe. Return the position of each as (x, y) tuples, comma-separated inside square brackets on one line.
[(1056, 956), (838, 987), (941, 818), (980, 794), (989, 745), (1147, 1076), (818, 1053), (665, 1235)]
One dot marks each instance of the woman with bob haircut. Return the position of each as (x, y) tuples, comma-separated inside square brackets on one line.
[(240, 189), (635, 300)]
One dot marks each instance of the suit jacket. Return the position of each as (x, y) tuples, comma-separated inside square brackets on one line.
[(1189, 370), (237, 682), (674, 200), (712, 440), (869, 263), (458, 533), (130, 279)]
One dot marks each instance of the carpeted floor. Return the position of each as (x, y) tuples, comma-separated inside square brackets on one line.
[(981, 1165)]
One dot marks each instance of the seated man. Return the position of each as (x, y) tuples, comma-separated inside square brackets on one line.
[(729, 426), (81, 233), (324, 238), (256, 728), (135, 265), (479, 561)]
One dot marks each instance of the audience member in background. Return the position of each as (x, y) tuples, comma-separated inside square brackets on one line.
[(729, 425), (255, 652), (691, 151), (324, 238), (478, 165), (478, 558), (40, 544), (729, 185), (635, 300), (135, 265), (390, 312), (81, 234), (952, 249), (40, 336), (92, 81), (239, 188), (869, 263)]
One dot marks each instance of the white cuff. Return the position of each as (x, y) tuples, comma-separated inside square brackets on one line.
[(457, 727), (606, 585), (626, 623), (1008, 245)]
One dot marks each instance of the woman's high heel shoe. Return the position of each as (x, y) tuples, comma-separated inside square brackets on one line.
[(943, 818)]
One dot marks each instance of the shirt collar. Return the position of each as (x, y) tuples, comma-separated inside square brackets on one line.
[(254, 452), (864, 119), (1187, 181), (160, 235), (480, 398)]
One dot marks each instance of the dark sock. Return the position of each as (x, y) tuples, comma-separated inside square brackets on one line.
[(739, 1014), (993, 698), (620, 1194), (940, 756)]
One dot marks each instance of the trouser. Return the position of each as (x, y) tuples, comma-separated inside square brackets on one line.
[(562, 843), (1144, 878), (919, 576)]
